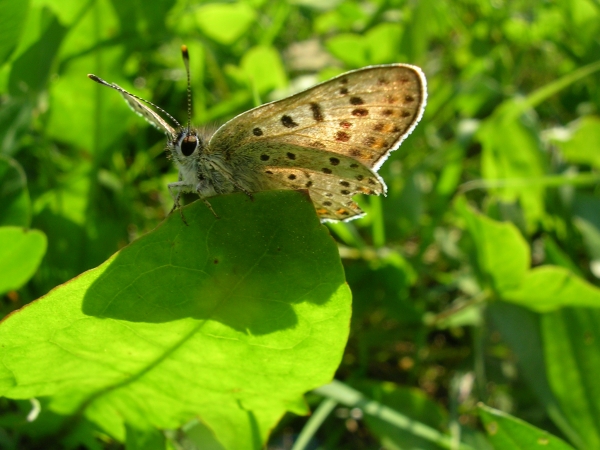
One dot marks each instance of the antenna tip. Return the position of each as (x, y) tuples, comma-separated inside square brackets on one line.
[(184, 51)]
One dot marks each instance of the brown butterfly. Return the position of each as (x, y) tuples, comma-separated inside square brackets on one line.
[(330, 139)]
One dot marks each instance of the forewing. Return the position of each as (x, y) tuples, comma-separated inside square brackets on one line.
[(363, 114)]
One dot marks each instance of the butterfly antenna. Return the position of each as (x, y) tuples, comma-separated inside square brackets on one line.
[(186, 61), (99, 80)]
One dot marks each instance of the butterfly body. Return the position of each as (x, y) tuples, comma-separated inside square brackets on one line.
[(330, 140)]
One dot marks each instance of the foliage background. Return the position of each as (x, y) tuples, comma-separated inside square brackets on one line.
[(450, 307)]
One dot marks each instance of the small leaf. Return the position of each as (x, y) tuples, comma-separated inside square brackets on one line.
[(21, 252), (502, 253), (225, 23), (509, 433), (15, 206), (572, 354), (547, 288)]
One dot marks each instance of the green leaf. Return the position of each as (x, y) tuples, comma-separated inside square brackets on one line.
[(225, 23), (502, 252), (411, 402), (512, 152), (263, 68), (21, 252), (15, 206), (12, 21), (350, 48), (230, 320), (572, 352), (23, 80), (509, 433), (547, 288), (584, 145)]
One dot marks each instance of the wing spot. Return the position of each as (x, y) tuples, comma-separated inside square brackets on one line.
[(359, 177), (264, 157), (409, 99), (342, 136), (345, 183), (382, 81), (308, 184), (334, 161), (326, 170), (327, 203), (257, 132), (372, 181), (344, 80), (360, 112), (288, 122), (357, 152), (342, 212), (345, 124), (389, 98), (345, 192), (343, 91), (316, 112), (328, 194), (356, 101), (291, 177), (291, 155), (317, 144), (268, 172), (354, 166), (378, 126), (388, 112), (405, 113), (322, 211)]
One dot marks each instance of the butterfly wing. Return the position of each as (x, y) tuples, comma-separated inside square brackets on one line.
[(139, 107), (331, 138)]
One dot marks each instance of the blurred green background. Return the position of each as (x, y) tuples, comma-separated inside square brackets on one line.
[(511, 128)]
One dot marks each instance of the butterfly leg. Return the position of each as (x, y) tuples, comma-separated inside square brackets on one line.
[(175, 189)]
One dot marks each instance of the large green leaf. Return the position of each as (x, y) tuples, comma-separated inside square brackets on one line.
[(509, 433), (230, 320)]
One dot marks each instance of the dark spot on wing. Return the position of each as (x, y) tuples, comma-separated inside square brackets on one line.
[(345, 192), (257, 132), (356, 101), (405, 113), (288, 122), (308, 184), (326, 170), (345, 183), (409, 99), (291, 155), (264, 157), (291, 177), (345, 124), (342, 136), (343, 91), (316, 112), (359, 177), (334, 161), (360, 112)]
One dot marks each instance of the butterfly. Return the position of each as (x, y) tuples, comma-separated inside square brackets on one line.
[(330, 139)]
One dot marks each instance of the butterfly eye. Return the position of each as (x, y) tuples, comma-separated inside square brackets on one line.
[(189, 144)]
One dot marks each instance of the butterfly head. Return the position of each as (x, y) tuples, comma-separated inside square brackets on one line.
[(187, 144)]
